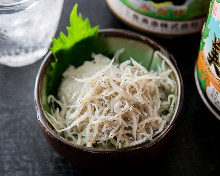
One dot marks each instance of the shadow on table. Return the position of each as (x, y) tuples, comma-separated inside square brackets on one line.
[(63, 167)]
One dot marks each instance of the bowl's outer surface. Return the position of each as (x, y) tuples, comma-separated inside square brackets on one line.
[(137, 155)]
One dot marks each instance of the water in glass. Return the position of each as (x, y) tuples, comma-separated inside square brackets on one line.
[(26, 29)]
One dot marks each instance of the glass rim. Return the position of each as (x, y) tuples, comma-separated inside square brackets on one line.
[(14, 5)]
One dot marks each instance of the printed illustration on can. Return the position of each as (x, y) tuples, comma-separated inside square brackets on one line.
[(208, 64), (168, 18), (170, 9)]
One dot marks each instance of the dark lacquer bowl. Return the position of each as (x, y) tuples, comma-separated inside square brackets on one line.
[(150, 54)]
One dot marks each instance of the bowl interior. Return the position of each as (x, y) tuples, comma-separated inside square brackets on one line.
[(149, 56), (143, 51)]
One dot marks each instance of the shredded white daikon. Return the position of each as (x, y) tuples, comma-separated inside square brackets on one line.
[(105, 104)]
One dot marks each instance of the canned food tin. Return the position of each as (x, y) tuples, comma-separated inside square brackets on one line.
[(167, 18), (207, 68)]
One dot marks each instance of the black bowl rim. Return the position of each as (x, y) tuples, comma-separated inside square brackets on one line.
[(143, 146)]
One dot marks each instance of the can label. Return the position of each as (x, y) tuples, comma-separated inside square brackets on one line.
[(170, 9), (155, 25), (208, 63)]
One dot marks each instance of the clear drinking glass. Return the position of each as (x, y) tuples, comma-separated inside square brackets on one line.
[(26, 29)]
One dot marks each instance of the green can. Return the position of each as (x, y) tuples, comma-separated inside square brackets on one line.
[(207, 67), (161, 17)]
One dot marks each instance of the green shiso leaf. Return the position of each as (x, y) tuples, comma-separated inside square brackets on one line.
[(78, 30), (82, 40)]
